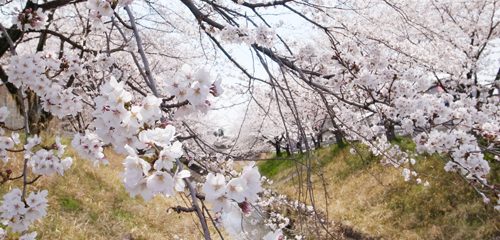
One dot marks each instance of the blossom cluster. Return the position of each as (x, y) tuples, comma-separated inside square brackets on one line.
[(149, 179), (19, 215), (49, 160), (240, 189), (42, 73), (30, 19), (117, 121), (99, 8), (17, 211), (274, 204), (129, 128), (89, 146), (103, 8), (195, 87), (235, 198), (465, 152), (6, 143), (261, 35)]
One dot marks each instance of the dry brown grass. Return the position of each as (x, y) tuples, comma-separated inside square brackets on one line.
[(91, 203), (376, 201)]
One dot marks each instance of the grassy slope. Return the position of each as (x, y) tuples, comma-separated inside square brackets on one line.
[(374, 199), (91, 203)]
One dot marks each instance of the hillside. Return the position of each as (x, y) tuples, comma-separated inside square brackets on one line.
[(364, 198), (376, 201), (91, 203)]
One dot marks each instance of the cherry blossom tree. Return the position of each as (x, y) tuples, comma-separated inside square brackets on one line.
[(138, 76)]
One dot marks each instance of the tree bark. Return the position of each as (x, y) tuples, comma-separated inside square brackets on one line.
[(389, 130)]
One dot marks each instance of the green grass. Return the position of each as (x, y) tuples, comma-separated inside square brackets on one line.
[(320, 158), (274, 166), (405, 143), (69, 204)]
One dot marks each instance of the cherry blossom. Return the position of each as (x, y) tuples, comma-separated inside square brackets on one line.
[(45, 162), (19, 215), (374, 73), (30, 71), (90, 147), (30, 19)]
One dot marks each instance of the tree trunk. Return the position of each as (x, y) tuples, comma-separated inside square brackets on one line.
[(287, 148), (339, 137), (389, 130), (278, 148)]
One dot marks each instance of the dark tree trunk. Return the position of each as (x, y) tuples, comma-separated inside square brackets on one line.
[(287, 149), (389, 130), (339, 137), (299, 145), (278, 148)]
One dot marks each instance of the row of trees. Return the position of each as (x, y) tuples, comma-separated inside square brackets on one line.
[(126, 74)]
